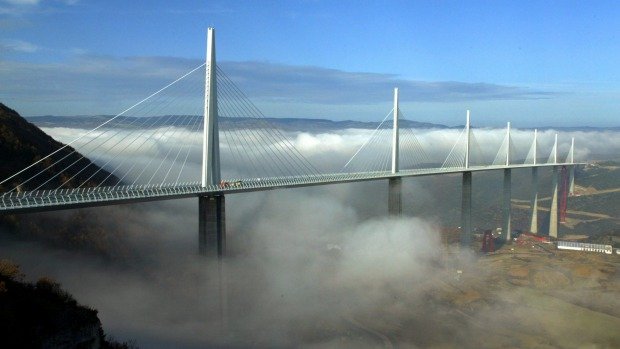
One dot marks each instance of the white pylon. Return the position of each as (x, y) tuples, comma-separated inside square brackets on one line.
[(210, 141), (395, 143)]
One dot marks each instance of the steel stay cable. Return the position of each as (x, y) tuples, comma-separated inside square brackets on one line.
[(155, 133), (252, 109), (270, 138), (376, 159), (174, 132), (105, 141), (153, 128), (105, 123), (186, 128), (260, 136), (82, 153), (371, 136), (240, 141), (249, 131), (300, 157), (192, 131), (242, 135), (371, 153), (458, 139)]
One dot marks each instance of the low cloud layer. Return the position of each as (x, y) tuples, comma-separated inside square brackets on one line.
[(169, 155), (320, 267)]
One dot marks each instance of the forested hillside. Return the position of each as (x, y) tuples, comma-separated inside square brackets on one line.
[(22, 143)]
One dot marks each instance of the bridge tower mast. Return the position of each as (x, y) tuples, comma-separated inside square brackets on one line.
[(395, 135), (395, 183), (211, 209), (210, 141), (507, 227)]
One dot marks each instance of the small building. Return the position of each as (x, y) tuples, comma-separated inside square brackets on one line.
[(582, 246)]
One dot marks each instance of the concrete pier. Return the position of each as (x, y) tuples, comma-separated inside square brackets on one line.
[(534, 201), (553, 212), (212, 226), (395, 196), (466, 210), (571, 180), (507, 197)]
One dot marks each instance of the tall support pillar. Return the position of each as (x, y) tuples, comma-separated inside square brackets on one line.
[(534, 195), (507, 227), (212, 226), (534, 201), (395, 196), (553, 213), (466, 230)]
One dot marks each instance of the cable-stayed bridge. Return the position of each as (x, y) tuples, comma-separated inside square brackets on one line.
[(209, 140)]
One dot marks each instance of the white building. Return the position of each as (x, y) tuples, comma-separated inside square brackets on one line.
[(582, 246)]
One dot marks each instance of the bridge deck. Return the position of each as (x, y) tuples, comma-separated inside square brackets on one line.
[(49, 200)]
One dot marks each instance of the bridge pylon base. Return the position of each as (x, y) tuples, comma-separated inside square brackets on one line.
[(507, 198), (553, 211), (466, 230), (534, 202), (212, 226), (395, 201)]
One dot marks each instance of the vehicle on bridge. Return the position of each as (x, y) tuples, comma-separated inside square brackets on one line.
[(230, 184)]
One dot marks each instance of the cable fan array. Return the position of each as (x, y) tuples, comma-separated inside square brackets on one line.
[(375, 154), (458, 157), (250, 144), (158, 143)]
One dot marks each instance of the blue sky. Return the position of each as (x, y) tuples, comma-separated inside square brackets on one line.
[(536, 63)]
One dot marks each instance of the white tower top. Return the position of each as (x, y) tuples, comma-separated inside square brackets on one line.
[(395, 144), (211, 140)]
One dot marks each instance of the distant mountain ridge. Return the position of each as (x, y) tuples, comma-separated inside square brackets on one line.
[(287, 124)]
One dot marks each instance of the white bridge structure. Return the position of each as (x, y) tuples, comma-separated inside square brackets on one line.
[(234, 128)]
